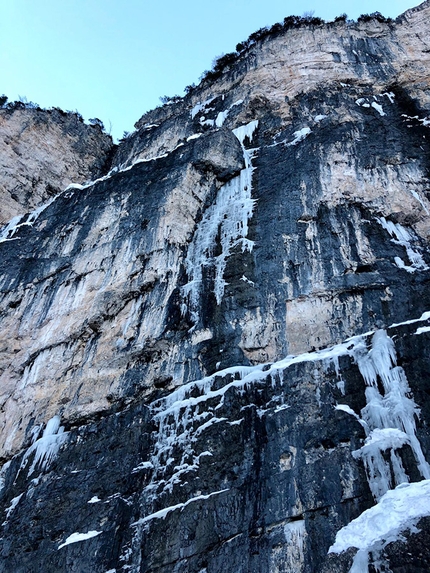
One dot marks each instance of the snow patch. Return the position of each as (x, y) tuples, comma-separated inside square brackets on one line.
[(299, 136), (378, 108), (423, 317), (397, 511), (195, 136), (181, 506), (200, 107), (364, 102), (389, 95), (246, 280), (425, 121), (422, 329), (221, 117), (347, 409)]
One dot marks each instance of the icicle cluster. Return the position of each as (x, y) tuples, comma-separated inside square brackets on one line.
[(389, 421), (389, 418), (45, 448)]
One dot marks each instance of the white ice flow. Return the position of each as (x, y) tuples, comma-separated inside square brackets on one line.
[(390, 417), (227, 217)]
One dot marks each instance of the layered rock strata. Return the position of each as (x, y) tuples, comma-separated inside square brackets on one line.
[(177, 364)]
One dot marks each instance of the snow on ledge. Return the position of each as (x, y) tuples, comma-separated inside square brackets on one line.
[(299, 136), (76, 537), (422, 329), (422, 318), (163, 512)]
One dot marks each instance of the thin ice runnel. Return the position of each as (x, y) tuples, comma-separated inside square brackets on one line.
[(228, 217)]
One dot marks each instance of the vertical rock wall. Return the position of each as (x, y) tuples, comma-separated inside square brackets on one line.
[(208, 361)]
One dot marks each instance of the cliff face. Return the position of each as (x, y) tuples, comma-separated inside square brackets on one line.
[(44, 151), (174, 367)]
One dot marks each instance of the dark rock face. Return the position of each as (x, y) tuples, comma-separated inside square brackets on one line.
[(215, 357)]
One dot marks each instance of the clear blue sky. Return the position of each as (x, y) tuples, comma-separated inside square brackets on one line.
[(113, 59)]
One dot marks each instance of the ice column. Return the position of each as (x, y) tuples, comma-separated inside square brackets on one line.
[(226, 219), (389, 416)]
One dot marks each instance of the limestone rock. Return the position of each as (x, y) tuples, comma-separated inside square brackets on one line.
[(44, 151), (214, 356)]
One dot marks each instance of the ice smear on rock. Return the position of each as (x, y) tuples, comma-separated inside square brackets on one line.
[(27, 220), (13, 503), (295, 536), (3, 472), (227, 218)]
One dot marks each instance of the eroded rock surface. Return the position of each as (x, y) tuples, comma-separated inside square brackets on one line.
[(186, 319)]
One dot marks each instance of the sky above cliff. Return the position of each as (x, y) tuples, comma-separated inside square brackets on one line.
[(113, 60)]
